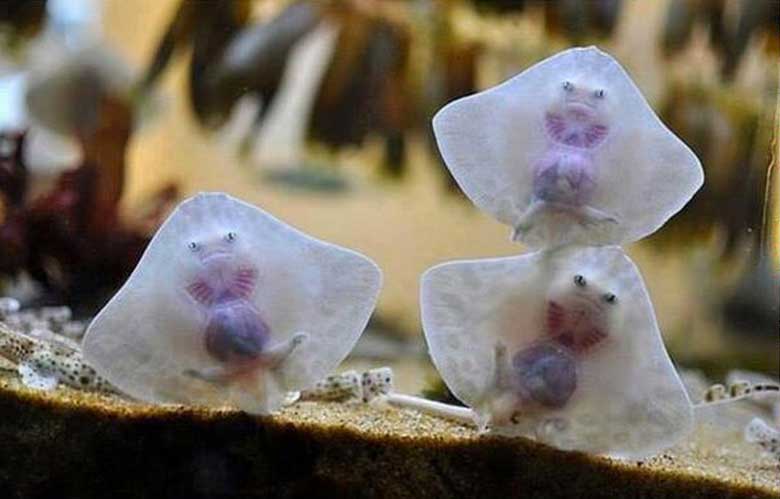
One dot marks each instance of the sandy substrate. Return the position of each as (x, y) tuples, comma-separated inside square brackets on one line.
[(79, 444)]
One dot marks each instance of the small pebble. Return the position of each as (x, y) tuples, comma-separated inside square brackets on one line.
[(35, 324), (73, 329), (56, 315), (28, 319), (42, 333), (8, 306), (14, 322)]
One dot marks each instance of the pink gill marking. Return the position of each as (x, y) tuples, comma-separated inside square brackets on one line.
[(245, 281), (556, 328), (201, 292), (592, 338), (586, 138), (594, 135), (555, 316), (555, 125)]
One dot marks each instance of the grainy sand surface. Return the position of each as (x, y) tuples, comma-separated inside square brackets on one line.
[(715, 452)]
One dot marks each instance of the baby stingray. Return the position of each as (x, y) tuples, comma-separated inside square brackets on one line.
[(544, 374), (230, 306), (568, 152), (561, 346)]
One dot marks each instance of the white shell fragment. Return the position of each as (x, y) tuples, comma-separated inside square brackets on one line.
[(568, 152), (230, 306), (8, 306), (563, 346), (35, 377)]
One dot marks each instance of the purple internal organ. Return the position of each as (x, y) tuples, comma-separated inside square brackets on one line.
[(236, 336), (236, 333), (565, 176), (576, 323), (566, 173), (546, 374)]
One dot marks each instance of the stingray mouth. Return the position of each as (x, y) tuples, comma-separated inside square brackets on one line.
[(216, 255), (586, 305), (580, 109)]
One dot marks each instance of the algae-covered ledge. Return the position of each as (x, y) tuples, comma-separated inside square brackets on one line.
[(78, 444)]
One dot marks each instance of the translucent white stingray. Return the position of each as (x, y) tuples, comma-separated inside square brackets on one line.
[(314, 297), (637, 172), (628, 400)]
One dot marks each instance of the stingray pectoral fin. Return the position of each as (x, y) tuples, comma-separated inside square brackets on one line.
[(274, 356), (214, 375), (37, 377), (590, 216), (500, 358), (497, 408), (586, 216), (270, 358), (527, 220), (498, 376), (503, 409), (482, 418), (501, 400)]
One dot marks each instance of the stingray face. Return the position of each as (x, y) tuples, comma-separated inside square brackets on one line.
[(586, 298), (578, 315), (218, 256), (215, 249), (580, 100)]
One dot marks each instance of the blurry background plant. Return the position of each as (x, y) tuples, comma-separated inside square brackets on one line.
[(69, 115), (319, 111)]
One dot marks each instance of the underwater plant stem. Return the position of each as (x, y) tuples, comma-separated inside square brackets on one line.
[(447, 411)]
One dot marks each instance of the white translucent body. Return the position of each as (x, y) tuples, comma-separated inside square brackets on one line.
[(491, 141), (629, 401), (151, 334)]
